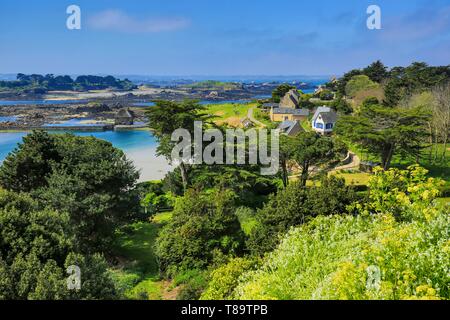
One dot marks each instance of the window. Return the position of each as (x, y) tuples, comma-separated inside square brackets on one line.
[(329, 126), (319, 125)]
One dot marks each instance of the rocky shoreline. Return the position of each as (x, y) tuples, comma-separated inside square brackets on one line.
[(28, 116)]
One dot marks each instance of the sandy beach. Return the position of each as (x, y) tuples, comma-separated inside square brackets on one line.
[(150, 166)]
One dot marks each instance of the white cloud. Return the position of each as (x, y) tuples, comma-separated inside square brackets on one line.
[(116, 20)]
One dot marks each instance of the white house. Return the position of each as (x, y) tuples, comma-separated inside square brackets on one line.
[(324, 120)]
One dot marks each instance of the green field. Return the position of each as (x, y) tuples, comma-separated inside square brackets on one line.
[(213, 85), (262, 116), (138, 272)]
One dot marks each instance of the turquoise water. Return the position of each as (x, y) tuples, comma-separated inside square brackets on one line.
[(128, 141)]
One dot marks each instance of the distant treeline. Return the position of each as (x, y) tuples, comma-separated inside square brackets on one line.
[(398, 82), (36, 83)]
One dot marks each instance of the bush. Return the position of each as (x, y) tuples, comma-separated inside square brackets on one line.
[(203, 226), (225, 278), (340, 257), (359, 83), (193, 283), (296, 205), (402, 252), (86, 177)]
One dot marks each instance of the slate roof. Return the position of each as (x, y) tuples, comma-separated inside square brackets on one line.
[(297, 112), (328, 115), (289, 127), (270, 105)]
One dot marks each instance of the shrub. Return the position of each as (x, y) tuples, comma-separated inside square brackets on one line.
[(203, 225), (225, 278), (296, 205), (401, 252), (332, 258)]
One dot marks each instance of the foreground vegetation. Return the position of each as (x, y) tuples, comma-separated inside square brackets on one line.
[(226, 232)]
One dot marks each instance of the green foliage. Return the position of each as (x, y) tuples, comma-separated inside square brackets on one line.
[(326, 95), (281, 91), (398, 191), (225, 278), (167, 116), (341, 106), (359, 83), (214, 85), (368, 102), (416, 78), (202, 227), (386, 131), (83, 176), (250, 187), (339, 257), (40, 84), (247, 219), (193, 282), (308, 149), (36, 247), (377, 71), (295, 206), (138, 276)]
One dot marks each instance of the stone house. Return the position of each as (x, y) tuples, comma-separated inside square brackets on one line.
[(283, 114), (291, 99), (124, 117)]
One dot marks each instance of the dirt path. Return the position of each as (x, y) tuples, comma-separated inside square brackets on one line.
[(355, 162)]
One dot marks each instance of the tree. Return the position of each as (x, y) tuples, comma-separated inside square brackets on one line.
[(167, 116), (386, 131), (441, 115), (202, 226), (287, 149), (36, 247), (341, 106), (83, 176), (281, 91), (377, 71), (296, 205), (416, 78), (359, 83), (27, 166), (311, 149)]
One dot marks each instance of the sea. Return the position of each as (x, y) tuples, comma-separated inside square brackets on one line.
[(139, 146)]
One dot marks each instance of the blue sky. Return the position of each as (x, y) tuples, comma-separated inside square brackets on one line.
[(228, 37)]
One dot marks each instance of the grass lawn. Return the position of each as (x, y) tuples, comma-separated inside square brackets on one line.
[(230, 113), (138, 275), (306, 125), (358, 179), (262, 116), (439, 169)]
